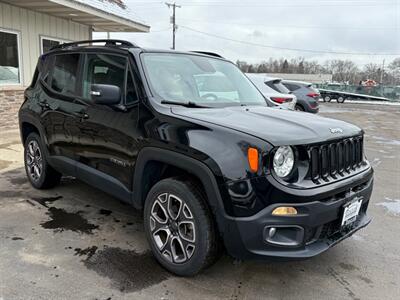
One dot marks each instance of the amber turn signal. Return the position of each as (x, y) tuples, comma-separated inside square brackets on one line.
[(284, 211), (252, 156)]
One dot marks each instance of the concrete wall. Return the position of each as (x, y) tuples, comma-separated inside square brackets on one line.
[(312, 78), (31, 25)]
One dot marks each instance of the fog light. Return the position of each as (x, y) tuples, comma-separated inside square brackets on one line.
[(271, 232), (284, 211)]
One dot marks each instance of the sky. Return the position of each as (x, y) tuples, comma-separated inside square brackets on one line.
[(245, 30)]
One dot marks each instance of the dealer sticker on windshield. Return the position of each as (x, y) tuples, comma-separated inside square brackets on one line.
[(351, 211)]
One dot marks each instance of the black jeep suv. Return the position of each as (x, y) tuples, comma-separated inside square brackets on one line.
[(186, 137)]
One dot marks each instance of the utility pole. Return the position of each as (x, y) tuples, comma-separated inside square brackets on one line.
[(382, 73), (174, 26)]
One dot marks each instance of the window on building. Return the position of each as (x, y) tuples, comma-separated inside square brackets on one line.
[(103, 69), (9, 58), (46, 43), (63, 75)]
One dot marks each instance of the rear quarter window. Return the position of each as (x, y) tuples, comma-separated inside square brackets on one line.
[(64, 73)]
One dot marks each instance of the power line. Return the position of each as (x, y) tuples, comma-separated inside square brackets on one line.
[(294, 4), (271, 4), (285, 48), (288, 25)]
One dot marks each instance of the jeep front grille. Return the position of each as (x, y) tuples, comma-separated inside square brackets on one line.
[(335, 159)]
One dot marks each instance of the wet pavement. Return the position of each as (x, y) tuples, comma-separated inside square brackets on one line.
[(75, 242)]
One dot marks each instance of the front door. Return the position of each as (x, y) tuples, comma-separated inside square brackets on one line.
[(107, 137)]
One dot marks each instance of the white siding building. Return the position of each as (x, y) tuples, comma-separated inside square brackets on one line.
[(30, 28)]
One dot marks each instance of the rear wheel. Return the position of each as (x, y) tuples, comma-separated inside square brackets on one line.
[(179, 227), (327, 99), (340, 99), (40, 174), (299, 107)]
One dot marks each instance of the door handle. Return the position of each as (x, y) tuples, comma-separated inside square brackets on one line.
[(81, 115)]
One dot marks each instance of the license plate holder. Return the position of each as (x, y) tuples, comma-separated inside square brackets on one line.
[(351, 211)]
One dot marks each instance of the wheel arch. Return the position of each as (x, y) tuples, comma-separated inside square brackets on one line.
[(301, 105), (27, 125), (153, 161), (26, 129)]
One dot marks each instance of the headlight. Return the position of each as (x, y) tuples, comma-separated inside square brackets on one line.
[(283, 161)]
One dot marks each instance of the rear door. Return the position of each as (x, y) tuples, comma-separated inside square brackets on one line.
[(106, 141), (57, 99)]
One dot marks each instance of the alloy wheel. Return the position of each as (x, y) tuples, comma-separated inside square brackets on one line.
[(173, 228), (34, 161)]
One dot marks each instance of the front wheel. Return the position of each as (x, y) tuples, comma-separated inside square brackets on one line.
[(327, 99), (179, 227)]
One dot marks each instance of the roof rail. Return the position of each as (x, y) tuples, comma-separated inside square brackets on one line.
[(208, 53), (115, 43)]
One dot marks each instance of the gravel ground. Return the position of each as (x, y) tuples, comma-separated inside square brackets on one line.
[(75, 242)]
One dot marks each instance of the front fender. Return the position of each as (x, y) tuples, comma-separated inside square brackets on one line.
[(195, 167)]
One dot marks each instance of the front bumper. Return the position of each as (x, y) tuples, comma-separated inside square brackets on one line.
[(318, 224)]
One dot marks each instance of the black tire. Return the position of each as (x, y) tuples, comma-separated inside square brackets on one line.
[(340, 99), (327, 99), (204, 242), (48, 177), (298, 107)]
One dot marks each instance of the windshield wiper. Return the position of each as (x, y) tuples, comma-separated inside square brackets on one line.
[(186, 104)]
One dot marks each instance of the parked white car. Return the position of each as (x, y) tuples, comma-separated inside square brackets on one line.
[(273, 90)]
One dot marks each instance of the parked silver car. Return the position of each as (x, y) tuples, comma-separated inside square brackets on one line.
[(273, 89)]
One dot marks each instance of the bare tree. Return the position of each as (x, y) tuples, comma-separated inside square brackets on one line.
[(394, 71), (345, 71), (372, 71)]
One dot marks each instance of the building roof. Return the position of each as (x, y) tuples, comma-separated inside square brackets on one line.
[(102, 15)]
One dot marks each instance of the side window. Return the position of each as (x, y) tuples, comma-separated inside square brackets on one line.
[(131, 94), (63, 74), (103, 69)]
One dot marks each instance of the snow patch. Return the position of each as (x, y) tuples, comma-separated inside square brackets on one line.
[(391, 205), (382, 140), (376, 162)]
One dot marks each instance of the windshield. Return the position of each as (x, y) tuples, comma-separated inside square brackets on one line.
[(202, 80)]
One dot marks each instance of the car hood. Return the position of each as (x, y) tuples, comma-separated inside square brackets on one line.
[(278, 127)]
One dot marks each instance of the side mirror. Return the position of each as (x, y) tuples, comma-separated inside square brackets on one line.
[(105, 94)]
